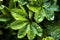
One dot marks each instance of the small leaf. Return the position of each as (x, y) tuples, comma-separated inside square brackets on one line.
[(37, 28), (18, 25), (22, 32), (31, 32), (39, 16)]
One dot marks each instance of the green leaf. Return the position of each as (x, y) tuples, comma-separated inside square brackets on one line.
[(18, 15), (37, 28), (22, 2), (22, 32), (12, 4), (33, 8), (4, 18), (49, 14), (31, 32), (48, 38), (53, 29), (18, 25), (39, 16)]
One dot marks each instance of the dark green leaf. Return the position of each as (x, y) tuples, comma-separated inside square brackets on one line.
[(39, 16), (37, 28)]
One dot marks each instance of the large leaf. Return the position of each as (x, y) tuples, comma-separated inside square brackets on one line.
[(37, 28), (39, 16), (31, 32), (22, 32), (17, 24)]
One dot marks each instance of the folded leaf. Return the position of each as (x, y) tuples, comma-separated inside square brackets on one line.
[(22, 32), (39, 16), (31, 32), (37, 28), (18, 25)]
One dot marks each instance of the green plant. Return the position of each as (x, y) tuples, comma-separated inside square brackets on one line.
[(29, 18)]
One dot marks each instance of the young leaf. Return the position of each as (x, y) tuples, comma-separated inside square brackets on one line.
[(17, 25), (22, 32), (37, 28)]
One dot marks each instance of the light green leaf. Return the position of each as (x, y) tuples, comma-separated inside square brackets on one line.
[(18, 15), (48, 38), (18, 25), (31, 32), (39, 16), (37, 28), (33, 8), (22, 32)]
